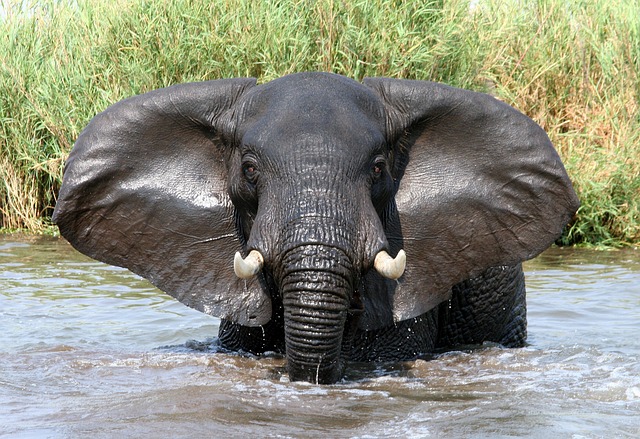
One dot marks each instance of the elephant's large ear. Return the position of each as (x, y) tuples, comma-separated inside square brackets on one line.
[(480, 185), (145, 188)]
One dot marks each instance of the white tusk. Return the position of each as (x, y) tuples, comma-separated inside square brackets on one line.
[(248, 267), (389, 267)]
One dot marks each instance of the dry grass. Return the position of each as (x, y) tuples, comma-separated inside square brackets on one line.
[(571, 66)]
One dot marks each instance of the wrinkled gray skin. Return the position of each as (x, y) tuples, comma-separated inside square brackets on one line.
[(319, 173)]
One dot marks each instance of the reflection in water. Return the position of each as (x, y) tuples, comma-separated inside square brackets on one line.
[(90, 350)]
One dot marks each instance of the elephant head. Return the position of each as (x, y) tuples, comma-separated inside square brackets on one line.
[(308, 191)]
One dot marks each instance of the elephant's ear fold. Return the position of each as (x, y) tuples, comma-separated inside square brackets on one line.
[(479, 185), (145, 188)]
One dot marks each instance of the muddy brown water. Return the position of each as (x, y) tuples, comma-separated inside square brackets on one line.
[(90, 350)]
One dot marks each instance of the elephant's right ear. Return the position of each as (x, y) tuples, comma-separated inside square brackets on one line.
[(479, 185), (145, 188)]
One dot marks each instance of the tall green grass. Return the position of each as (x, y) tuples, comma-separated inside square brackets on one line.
[(572, 66)]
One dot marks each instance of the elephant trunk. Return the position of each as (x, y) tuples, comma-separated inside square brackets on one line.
[(316, 292)]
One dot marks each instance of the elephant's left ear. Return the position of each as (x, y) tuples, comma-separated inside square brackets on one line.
[(480, 185), (145, 187)]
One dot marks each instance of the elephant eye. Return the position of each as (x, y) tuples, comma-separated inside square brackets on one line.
[(250, 171), (378, 169)]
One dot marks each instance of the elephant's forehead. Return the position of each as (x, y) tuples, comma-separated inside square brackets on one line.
[(319, 137), (320, 115)]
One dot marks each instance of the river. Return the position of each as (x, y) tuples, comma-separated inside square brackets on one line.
[(90, 350)]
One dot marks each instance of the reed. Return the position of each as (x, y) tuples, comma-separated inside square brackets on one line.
[(572, 66)]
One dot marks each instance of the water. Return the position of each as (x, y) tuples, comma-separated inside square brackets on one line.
[(89, 350)]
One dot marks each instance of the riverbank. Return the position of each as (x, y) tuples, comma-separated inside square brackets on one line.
[(572, 68)]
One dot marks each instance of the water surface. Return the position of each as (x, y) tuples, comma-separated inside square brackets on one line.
[(90, 350)]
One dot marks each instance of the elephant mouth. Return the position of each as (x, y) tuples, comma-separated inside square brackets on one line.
[(316, 269), (321, 304)]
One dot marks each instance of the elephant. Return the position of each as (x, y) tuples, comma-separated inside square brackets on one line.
[(323, 218)]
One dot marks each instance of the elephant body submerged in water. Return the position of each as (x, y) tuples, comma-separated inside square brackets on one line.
[(288, 208)]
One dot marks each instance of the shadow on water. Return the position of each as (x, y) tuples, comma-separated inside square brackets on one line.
[(90, 350)]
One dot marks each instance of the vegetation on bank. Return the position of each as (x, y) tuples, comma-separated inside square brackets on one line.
[(571, 66)]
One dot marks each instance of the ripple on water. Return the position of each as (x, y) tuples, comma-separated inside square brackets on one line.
[(92, 350)]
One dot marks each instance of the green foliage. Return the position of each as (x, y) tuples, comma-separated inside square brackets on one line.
[(571, 66)]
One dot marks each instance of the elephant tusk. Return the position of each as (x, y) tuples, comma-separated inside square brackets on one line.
[(248, 267), (389, 267)]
